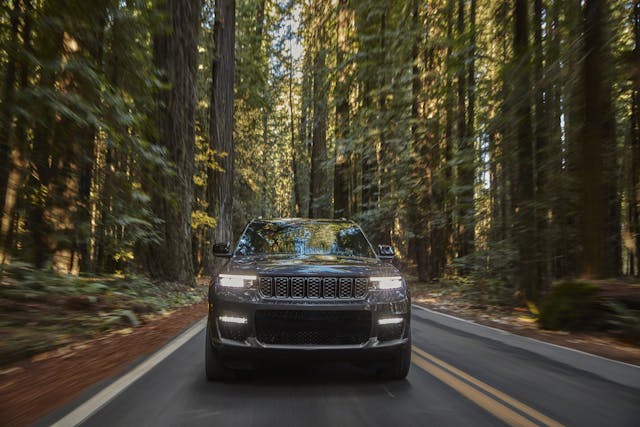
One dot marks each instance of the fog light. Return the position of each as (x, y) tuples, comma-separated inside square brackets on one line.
[(390, 321), (233, 319)]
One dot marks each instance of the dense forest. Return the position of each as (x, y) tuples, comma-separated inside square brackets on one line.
[(495, 140)]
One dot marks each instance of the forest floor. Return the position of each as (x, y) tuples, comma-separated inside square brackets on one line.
[(60, 333), (521, 321), (33, 387), (42, 310)]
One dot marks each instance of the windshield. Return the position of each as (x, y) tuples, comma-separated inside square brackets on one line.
[(304, 238)]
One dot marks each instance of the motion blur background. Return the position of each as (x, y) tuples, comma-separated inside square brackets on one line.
[(495, 144)]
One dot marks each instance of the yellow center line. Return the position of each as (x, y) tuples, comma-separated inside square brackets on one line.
[(486, 387), (490, 405)]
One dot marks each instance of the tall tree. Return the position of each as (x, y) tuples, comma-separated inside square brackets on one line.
[(524, 206), (319, 204), (593, 209), (8, 98), (466, 113), (220, 183), (541, 137), (634, 176), (341, 190), (175, 49)]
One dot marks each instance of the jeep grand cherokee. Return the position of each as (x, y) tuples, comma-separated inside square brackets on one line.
[(307, 288)]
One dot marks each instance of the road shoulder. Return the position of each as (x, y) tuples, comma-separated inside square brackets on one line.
[(611, 370)]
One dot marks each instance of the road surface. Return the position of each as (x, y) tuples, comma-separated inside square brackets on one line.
[(459, 377)]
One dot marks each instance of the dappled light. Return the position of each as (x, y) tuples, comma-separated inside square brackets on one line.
[(415, 212)]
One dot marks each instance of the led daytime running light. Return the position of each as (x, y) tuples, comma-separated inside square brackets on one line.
[(235, 280), (392, 282)]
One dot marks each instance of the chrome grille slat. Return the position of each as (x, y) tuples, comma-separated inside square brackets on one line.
[(292, 287)]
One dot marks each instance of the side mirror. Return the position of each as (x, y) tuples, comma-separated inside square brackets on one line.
[(222, 250), (386, 252)]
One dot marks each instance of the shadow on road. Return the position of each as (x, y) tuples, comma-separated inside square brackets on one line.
[(309, 375)]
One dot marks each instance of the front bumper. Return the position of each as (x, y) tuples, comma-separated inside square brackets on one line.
[(241, 340)]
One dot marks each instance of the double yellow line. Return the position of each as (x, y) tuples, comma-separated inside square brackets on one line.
[(504, 407)]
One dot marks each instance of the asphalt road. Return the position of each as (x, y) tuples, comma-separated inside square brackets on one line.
[(458, 378)]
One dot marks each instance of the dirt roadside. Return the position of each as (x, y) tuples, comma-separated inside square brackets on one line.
[(32, 388)]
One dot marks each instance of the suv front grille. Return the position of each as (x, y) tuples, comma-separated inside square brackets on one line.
[(313, 287), (312, 327)]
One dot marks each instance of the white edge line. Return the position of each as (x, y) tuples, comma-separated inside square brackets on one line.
[(503, 332), (104, 396)]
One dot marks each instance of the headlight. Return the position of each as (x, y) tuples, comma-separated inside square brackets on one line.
[(236, 281), (392, 282)]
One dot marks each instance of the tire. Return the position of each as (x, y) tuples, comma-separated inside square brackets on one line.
[(214, 368), (398, 367)]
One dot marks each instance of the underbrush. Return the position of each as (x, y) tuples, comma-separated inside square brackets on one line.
[(473, 291), (601, 306), (609, 307), (41, 309)]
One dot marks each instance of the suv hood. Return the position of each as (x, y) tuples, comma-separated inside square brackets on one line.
[(310, 265)]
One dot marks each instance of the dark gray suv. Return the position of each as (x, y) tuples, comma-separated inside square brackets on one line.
[(307, 288)]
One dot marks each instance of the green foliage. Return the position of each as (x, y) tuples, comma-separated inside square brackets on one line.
[(490, 273), (41, 310), (625, 319), (571, 306)]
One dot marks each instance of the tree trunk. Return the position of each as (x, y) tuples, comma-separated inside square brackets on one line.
[(634, 184), (462, 200), (48, 51), (341, 193), (296, 194), (220, 184), (556, 175), (446, 195), (175, 50), (541, 138), (7, 104), (10, 217), (420, 205), (593, 211), (525, 217), (319, 201), (573, 110), (93, 41)]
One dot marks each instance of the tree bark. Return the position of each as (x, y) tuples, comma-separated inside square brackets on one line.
[(541, 137), (10, 217), (320, 205), (634, 184), (92, 42), (525, 217), (175, 50), (220, 184), (48, 50), (593, 211), (341, 191), (7, 104)]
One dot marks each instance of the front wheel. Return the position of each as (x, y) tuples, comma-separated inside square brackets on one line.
[(213, 365), (398, 367)]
